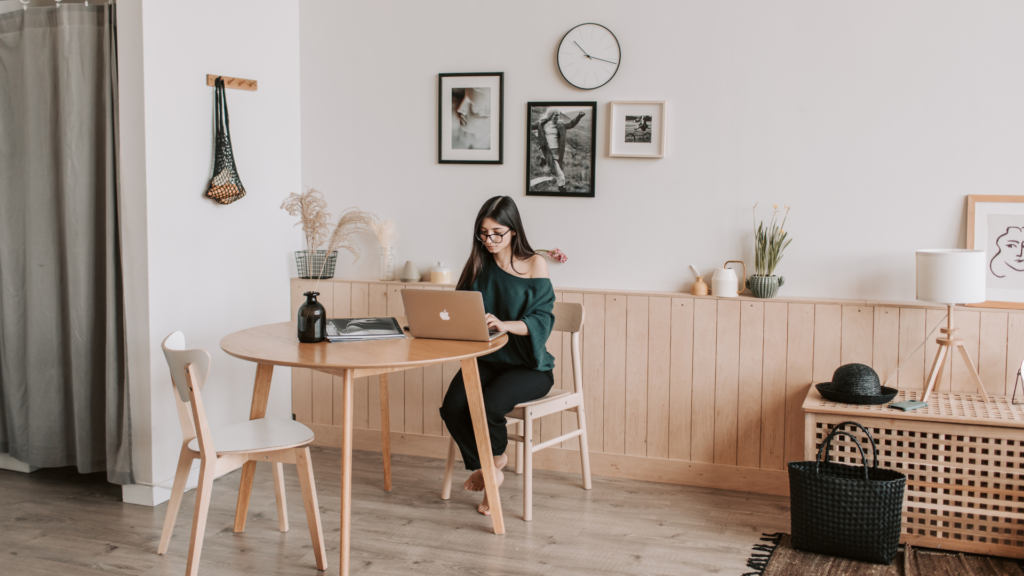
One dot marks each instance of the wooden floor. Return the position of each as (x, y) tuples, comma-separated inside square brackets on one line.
[(59, 522)]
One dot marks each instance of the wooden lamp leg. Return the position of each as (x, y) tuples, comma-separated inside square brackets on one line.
[(973, 371), (949, 340), (936, 372)]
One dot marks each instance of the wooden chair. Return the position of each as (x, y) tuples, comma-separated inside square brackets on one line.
[(568, 318), (274, 440)]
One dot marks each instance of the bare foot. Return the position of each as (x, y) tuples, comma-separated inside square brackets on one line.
[(499, 477), (475, 482)]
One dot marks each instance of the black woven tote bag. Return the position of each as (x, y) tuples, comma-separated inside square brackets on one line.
[(225, 185), (847, 511)]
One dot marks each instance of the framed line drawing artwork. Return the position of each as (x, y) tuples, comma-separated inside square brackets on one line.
[(561, 148), (637, 128), (471, 118), (996, 224)]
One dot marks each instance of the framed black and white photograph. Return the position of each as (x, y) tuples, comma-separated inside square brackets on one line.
[(470, 118), (637, 129), (561, 139)]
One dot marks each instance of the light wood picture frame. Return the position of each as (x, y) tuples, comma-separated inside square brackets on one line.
[(996, 224), (637, 128)]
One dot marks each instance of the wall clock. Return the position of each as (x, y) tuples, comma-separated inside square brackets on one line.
[(589, 56)]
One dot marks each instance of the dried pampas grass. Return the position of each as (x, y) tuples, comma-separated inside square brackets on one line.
[(385, 232), (311, 208), (352, 222)]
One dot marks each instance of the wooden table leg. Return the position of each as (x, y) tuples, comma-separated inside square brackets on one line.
[(385, 430), (346, 475), (475, 396), (260, 395)]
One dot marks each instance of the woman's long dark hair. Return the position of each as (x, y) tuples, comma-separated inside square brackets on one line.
[(502, 210)]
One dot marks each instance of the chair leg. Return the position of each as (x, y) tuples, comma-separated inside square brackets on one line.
[(584, 448), (449, 470), (528, 468), (207, 470), (177, 492), (519, 448), (244, 491), (282, 502), (305, 468)]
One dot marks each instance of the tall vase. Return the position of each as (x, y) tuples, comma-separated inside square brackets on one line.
[(387, 263), (312, 320)]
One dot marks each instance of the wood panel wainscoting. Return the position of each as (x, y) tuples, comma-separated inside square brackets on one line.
[(693, 390)]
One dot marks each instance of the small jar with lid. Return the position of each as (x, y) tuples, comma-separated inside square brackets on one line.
[(441, 274)]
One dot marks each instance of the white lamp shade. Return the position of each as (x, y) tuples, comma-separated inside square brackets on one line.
[(951, 276)]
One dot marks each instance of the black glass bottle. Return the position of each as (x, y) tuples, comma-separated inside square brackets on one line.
[(312, 320)]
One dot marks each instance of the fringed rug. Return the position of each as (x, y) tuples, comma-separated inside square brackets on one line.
[(776, 557)]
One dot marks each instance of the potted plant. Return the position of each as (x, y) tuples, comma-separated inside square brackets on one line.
[(311, 208), (769, 243)]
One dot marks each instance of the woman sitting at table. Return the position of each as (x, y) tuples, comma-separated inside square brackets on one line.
[(519, 299)]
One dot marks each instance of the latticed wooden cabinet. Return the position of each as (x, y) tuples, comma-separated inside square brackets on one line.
[(964, 461)]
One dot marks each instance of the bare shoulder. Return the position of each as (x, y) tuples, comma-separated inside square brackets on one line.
[(538, 266)]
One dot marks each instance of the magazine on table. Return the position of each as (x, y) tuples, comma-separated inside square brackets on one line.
[(354, 329)]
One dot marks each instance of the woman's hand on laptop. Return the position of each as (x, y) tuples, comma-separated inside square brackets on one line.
[(516, 327)]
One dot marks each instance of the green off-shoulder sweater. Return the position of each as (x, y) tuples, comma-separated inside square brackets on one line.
[(513, 298)]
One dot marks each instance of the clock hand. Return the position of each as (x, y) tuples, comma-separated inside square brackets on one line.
[(601, 59), (581, 49)]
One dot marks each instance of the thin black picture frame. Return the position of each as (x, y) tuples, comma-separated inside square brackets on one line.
[(501, 117), (593, 148)]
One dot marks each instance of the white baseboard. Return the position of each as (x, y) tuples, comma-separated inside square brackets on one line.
[(155, 495), (8, 462)]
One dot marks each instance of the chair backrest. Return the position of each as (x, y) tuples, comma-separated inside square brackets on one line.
[(568, 317), (178, 357)]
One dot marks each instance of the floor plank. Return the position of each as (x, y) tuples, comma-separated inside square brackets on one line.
[(56, 521)]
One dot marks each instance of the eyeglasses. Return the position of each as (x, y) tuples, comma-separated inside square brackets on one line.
[(496, 238)]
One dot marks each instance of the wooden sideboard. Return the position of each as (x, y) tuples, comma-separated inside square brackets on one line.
[(683, 389)]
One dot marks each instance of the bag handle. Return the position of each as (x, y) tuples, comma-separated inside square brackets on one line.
[(826, 446), (221, 104)]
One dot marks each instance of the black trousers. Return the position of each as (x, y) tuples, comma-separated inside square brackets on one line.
[(504, 386)]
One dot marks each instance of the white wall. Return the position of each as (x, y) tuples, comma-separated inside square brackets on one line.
[(212, 269), (873, 119)]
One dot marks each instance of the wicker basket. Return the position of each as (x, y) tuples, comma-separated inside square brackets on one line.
[(310, 264), (847, 511)]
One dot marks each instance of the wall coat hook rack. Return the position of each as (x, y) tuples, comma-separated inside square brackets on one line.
[(229, 82)]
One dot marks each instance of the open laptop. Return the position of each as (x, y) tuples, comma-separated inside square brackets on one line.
[(447, 315)]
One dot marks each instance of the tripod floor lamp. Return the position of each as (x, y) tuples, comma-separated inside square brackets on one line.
[(951, 277)]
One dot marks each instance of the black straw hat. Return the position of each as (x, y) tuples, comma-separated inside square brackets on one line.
[(856, 384)]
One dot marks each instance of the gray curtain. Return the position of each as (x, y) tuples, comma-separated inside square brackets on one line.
[(63, 365)]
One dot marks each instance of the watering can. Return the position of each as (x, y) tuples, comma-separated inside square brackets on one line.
[(725, 283)]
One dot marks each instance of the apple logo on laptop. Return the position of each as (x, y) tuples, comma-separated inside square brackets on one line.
[(444, 315)]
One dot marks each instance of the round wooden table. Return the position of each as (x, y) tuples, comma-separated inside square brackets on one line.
[(278, 345)]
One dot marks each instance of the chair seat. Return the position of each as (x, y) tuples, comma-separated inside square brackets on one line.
[(554, 394), (258, 435)]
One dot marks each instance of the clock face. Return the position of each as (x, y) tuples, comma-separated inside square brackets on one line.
[(588, 56)]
